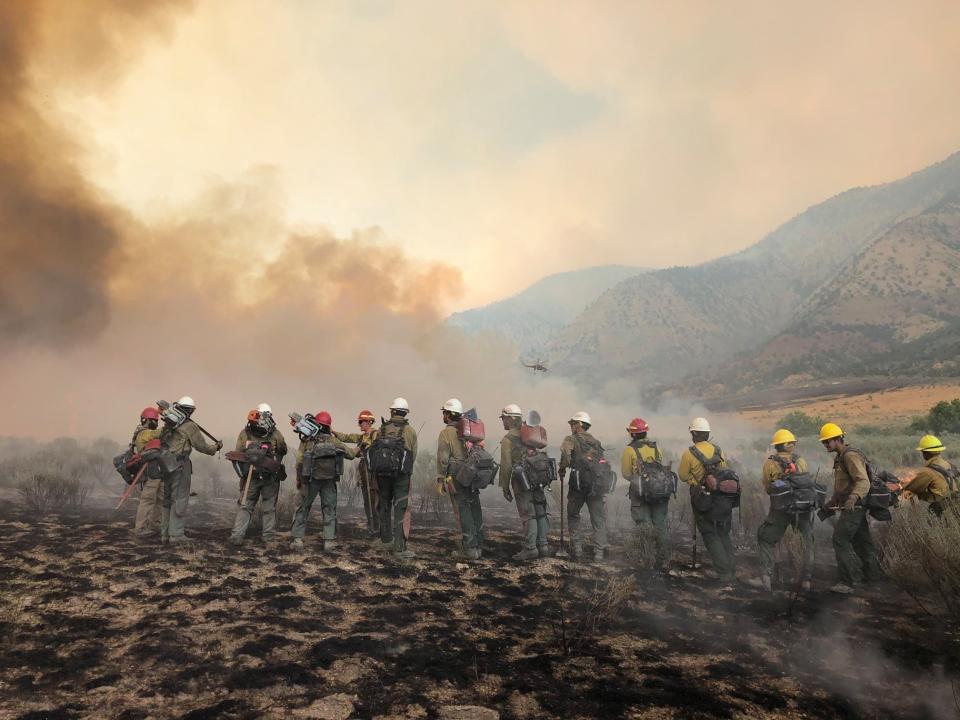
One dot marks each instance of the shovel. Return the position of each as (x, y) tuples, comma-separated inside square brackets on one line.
[(562, 552), (246, 486)]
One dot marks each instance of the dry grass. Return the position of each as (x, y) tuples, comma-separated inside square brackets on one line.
[(922, 555), (579, 620)]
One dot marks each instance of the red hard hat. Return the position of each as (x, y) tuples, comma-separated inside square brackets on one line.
[(637, 425), (152, 445), (150, 413), (365, 415), (323, 417)]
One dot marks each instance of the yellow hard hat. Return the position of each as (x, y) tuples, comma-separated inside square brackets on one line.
[(830, 431), (782, 436), (930, 443)]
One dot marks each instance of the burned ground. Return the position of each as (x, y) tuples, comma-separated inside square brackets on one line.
[(96, 625)]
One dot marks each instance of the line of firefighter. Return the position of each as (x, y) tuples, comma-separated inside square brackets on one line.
[(524, 473)]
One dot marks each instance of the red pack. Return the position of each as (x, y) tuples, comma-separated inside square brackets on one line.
[(471, 430), (534, 436)]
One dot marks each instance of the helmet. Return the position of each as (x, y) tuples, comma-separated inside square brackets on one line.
[(511, 410), (699, 425), (782, 436), (187, 402), (400, 404), (830, 431), (149, 413), (637, 425), (253, 416), (366, 415), (264, 408), (453, 405), (323, 417), (580, 417), (931, 444)]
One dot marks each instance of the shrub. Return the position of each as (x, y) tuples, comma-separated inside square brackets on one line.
[(41, 493)]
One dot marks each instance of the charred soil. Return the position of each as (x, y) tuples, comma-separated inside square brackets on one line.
[(97, 625)]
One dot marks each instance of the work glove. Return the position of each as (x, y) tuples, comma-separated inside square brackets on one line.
[(824, 513), (507, 494), (219, 445), (441, 486), (850, 503)]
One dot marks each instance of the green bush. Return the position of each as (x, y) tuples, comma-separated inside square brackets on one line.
[(943, 417), (801, 424)]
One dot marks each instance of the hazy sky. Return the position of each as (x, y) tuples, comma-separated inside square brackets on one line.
[(521, 138)]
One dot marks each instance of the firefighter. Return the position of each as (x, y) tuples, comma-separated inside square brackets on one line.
[(852, 543), (150, 507), (651, 511), (319, 468), (260, 436), (368, 484), (180, 437), (581, 453), (783, 464), (394, 447), (712, 514), (531, 501), (937, 482), (451, 453)]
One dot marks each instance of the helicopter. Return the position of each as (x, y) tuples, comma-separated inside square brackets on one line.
[(537, 366)]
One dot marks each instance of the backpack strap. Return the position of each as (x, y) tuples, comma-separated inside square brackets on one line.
[(707, 462), (949, 475)]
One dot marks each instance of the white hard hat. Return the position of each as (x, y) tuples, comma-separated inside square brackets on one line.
[(400, 404), (581, 417), (699, 425), (511, 410), (264, 408), (186, 401), (453, 405)]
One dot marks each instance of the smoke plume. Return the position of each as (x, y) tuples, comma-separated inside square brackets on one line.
[(58, 238)]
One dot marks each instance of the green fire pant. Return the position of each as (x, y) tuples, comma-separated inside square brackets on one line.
[(716, 537), (856, 554), (327, 490), (597, 507), (655, 514), (176, 497), (394, 495), (532, 508), (772, 530), (264, 488), (471, 518)]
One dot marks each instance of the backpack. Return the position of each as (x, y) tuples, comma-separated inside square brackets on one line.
[(795, 491), (594, 474), (325, 459), (477, 470), (656, 482), (387, 456), (536, 469), (126, 462), (879, 498), (725, 493)]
